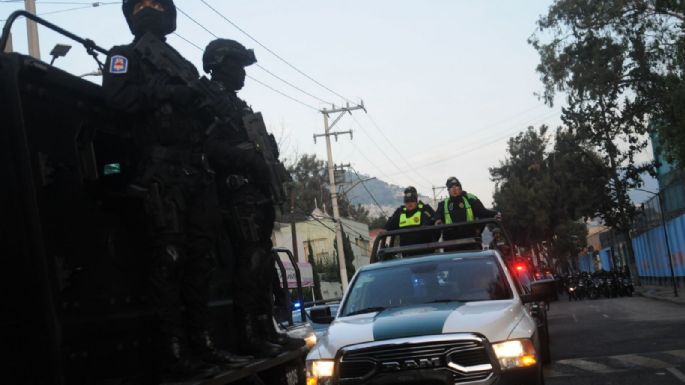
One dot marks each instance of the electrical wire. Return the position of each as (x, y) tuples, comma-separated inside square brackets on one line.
[(253, 78), (272, 52), (90, 5), (478, 147), (291, 85), (369, 192), (398, 151)]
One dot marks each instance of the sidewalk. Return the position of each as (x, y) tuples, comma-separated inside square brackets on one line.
[(661, 293)]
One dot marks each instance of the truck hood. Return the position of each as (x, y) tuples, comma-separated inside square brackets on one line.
[(493, 319)]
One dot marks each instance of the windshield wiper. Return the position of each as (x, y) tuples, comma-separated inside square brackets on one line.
[(446, 300), (366, 310)]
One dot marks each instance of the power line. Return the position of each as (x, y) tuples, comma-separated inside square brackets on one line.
[(274, 53), (292, 85), (487, 127), (367, 190), (283, 94), (478, 147), (380, 149), (90, 5), (253, 78), (257, 65), (396, 150)]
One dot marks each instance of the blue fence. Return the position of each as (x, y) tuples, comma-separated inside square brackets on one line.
[(605, 259), (585, 263), (651, 254)]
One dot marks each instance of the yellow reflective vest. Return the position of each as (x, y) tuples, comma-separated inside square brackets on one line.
[(414, 220), (467, 206)]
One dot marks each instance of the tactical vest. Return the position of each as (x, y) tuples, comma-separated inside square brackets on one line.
[(414, 220), (467, 206)]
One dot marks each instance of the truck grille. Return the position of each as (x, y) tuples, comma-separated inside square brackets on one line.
[(464, 355)]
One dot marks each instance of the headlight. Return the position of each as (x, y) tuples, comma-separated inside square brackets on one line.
[(515, 354), (319, 372)]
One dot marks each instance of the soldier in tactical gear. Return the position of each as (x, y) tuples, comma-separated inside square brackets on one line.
[(178, 188), (248, 194)]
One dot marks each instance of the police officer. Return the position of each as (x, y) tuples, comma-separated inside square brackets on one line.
[(246, 200), (461, 206), (413, 213), (180, 196)]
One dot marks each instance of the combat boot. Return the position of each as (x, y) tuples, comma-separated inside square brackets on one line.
[(254, 342), (179, 366), (275, 336), (203, 344)]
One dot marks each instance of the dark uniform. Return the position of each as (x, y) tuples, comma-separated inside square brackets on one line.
[(178, 187), (420, 215), (246, 200), (463, 208)]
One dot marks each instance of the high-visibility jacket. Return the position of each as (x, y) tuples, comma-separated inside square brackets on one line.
[(414, 220), (467, 205)]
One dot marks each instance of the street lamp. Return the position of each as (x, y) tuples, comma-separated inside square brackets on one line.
[(668, 246)]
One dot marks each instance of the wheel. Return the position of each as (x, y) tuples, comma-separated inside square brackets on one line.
[(541, 377)]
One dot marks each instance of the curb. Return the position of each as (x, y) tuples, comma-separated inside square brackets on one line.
[(659, 298)]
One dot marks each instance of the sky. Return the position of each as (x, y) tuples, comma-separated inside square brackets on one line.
[(445, 83)]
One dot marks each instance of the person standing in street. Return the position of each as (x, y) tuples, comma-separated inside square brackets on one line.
[(177, 187)]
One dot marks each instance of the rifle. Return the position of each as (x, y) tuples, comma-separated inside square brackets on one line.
[(265, 144), (172, 64)]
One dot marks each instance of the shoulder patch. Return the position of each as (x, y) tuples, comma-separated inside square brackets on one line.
[(118, 64)]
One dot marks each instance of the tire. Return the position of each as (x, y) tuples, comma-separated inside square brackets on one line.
[(546, 351), (541, 377)]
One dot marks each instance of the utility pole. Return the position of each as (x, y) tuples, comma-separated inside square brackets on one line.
[(435, 196), (32, 30), (331, 177)]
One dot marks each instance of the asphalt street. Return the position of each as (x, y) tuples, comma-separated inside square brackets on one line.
[(631, 340)]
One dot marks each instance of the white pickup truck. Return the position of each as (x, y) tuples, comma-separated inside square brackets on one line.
[(444, 318)]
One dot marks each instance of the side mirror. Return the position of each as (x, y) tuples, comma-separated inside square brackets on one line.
[(533, 297), (547, 288), (321, 314)]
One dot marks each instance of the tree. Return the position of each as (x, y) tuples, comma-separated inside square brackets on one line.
[(522, 188), (348, 253), (542, 194), (310, 188), (612, 59), (315, 271), (630, 51)]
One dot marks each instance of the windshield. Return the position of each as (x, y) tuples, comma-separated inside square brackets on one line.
[(458, 279)]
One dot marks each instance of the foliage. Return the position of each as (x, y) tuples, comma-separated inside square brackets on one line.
[(544, 195), (328, 268), (378, 222), (349, 254), (316, 270), (627, 54), (620, 63)]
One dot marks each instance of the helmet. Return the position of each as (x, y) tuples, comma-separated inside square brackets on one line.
[(452, 181), (220, 49), (410, 194), (170, 13)]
